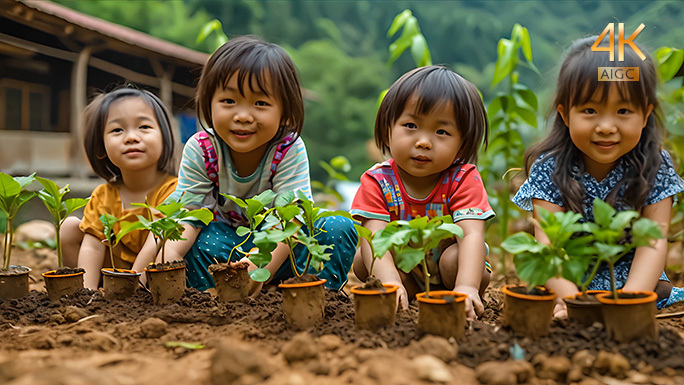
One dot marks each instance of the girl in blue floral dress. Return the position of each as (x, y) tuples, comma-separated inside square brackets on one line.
[(606, 142)]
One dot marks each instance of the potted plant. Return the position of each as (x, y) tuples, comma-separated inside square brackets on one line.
[(615, 235), (304, 294), (440, 312), (375, 303), (13, 195), (166, 279), (118, 283), (64, 280), (528, 309)]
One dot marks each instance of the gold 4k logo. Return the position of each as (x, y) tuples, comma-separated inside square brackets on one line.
[(618, 73)]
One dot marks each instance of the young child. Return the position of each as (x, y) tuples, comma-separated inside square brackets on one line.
[(606, 142), (432, 123), (130, 144), (250, 98)]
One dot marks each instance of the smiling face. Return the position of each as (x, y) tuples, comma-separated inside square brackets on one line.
[(132, 137), (605, 130), (424, 145), (247, 123)]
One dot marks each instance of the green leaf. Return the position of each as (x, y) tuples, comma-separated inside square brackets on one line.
[(408, 258), (505, 61), (241, 231), (208, 28), (526, 44), (518, 243), (645, 229), (186, 345), (528, 116), (341, 163), (260, 275), (603, 213), (399, 22), (669, 60)]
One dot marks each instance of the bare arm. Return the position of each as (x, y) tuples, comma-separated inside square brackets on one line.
[(649, 262), (471, 258), (91, 258), (561, 286)]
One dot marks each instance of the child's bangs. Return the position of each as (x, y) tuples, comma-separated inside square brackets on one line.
[(437, 89), (251, 69)]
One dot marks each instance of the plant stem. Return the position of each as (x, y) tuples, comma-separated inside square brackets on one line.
[(58, 244), (373, 259), (612, 280), (291, 257), (111, 255), (585, 285), (427, 278), (8, 244)]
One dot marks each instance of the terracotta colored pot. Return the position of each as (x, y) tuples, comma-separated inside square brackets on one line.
[(527, 314), (631, 316), (303, 303), (442, 314), (586, 311), (119, 284), (14, 283), (59, 285), (166, 285), (232, 280), (375, 308)]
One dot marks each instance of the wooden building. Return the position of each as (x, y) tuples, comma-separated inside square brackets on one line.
[(52, 60)]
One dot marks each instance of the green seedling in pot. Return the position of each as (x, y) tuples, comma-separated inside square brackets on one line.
[(568, 254), (617, 233), (111, 239), (13, 195), (170, 226), (53, 198), (412, 241), (379, 244), (281, 223)]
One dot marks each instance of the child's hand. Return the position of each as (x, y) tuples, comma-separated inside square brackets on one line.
[(560, 310), (474, 306), (402, 296)]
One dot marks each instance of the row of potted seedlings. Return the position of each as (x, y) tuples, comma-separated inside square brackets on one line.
[(575, 252)]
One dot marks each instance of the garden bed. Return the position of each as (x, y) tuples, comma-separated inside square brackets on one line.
[(199, 340)]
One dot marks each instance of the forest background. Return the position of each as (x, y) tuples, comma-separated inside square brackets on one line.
[(341, 50)]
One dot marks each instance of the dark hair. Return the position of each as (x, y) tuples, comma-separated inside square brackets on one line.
[(96, 113), (577, 84), (252, 58), (434, 85)]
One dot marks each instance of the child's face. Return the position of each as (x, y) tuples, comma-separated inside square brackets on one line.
[(424, 145), (246, 123), (132, 137), (605, 131)]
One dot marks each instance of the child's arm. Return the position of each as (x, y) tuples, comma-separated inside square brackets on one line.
[(384, 268), (561, 286), (470, 264), (91, 258), (649, 262)]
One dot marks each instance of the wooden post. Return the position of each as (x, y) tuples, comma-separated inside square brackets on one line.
[(79, 83)]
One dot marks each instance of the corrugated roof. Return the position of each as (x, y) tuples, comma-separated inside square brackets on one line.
[(118, 32)]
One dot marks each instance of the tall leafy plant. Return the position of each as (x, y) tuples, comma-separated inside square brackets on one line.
[(60, 208), (13, 195), (511, 114)]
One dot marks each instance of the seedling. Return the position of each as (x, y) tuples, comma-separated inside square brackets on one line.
[(53, 198), (169, 227), (412, 241), (617, 233), (13, 195), (281, 223), (111, 239), (379, 245), (568, 255)]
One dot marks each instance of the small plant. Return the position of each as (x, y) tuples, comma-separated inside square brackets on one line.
[(53, 198), (169, 227), (568, 255), (412, 241), (13, 195), (379, 244), (617, 233), (281, 223), (111, 239)]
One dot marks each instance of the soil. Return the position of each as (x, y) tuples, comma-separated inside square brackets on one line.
[(301, 279), (166, 265), (68, 271), (374, 284), (84, 339)]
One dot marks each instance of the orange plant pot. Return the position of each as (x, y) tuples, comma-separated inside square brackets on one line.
[(528, 315), (585, 311), (59, 285), (375, 309), (119, 284), (631, 316), (166, 285), (303, 303), (442, 314)]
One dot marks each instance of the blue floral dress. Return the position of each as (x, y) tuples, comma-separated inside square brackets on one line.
[(540, 185)]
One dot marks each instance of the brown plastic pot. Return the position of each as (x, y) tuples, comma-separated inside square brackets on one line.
[(375, 308), (166, 285), (59, 285), (528, 314), (232, 281), (119, 284), (442, 314), (14, 282), (586, 311), (631, 316), (303, 303)]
